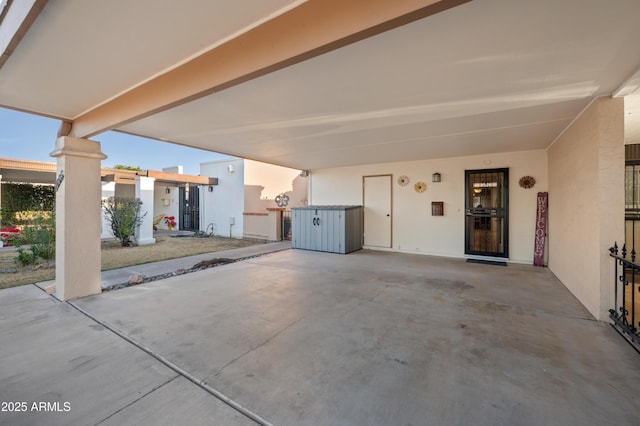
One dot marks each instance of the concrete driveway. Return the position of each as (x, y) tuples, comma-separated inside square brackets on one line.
[(305, 338)]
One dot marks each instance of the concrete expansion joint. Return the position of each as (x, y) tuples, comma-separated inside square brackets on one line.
[(255, 348), (368, 300), (180, 371), (139, 398)]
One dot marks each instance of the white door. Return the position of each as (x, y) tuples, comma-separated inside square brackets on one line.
[(377, 211)]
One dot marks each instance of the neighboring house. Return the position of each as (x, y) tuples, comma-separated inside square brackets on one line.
[(243, 204), (163, 190), (244, 194), (170, 192)]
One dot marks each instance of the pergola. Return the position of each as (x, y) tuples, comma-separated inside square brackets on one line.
[(305, 84)]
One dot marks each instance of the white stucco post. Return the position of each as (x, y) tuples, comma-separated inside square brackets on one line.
[(108, 190), (77, 217), (144, 192)]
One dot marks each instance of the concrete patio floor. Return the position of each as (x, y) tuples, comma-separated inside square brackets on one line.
[(305, 338)]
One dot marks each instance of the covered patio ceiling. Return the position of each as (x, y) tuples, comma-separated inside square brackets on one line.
[(322, 83)]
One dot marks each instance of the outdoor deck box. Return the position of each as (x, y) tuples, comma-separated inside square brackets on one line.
[(335, 229)]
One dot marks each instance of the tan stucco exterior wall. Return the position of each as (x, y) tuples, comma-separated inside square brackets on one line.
[(274, 179), (586, 203), (414, 229)]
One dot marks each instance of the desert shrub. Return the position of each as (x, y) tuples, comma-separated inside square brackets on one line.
[(123, 214), (40, 235), (43, 237), (25, 257)]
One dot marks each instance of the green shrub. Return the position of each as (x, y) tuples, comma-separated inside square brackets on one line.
[(40, 235), (25, 258), (124, 216)]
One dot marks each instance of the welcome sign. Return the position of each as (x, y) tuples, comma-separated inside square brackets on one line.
[(541, 229)]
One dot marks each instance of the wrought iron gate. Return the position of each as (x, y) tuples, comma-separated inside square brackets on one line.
[(626, 312), (285, 225), (189, 208)]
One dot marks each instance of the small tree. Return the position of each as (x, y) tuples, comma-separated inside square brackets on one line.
[(124, 216)]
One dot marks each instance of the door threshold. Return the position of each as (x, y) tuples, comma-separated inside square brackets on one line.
[(486, 260)]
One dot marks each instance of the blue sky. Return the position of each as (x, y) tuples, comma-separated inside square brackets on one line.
[(30, 137)]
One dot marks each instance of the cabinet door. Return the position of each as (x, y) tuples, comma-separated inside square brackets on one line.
[(324, 222), (296, 229), (316, 230)]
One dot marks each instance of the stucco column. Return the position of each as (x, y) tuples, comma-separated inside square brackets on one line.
[(144, 192), (586, 203), (274, 232), (77, 217), (108, 190)]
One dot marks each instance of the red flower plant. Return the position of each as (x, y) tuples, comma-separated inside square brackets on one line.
[(7, 234), (170, 222)]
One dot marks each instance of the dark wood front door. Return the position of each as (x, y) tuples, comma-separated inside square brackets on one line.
[(487, 212)]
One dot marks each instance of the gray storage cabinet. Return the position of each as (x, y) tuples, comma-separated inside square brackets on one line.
[(335, 229)]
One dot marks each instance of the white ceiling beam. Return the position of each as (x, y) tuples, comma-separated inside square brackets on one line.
[(311, 29), (16, 18)]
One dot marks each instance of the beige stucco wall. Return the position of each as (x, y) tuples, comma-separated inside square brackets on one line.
[(275, 180), (264, 182), (253, 200), (159, 207), (586, 203), (225, 204), (256, 225), (414, 229)]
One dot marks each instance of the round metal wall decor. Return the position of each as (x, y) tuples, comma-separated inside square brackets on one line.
[(282, 200), (420, 187), (527, 182), (403, 180)]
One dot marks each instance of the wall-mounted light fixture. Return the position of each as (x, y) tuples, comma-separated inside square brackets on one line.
[(167, 190), (436, 177), (231, 168), (210, 188)]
